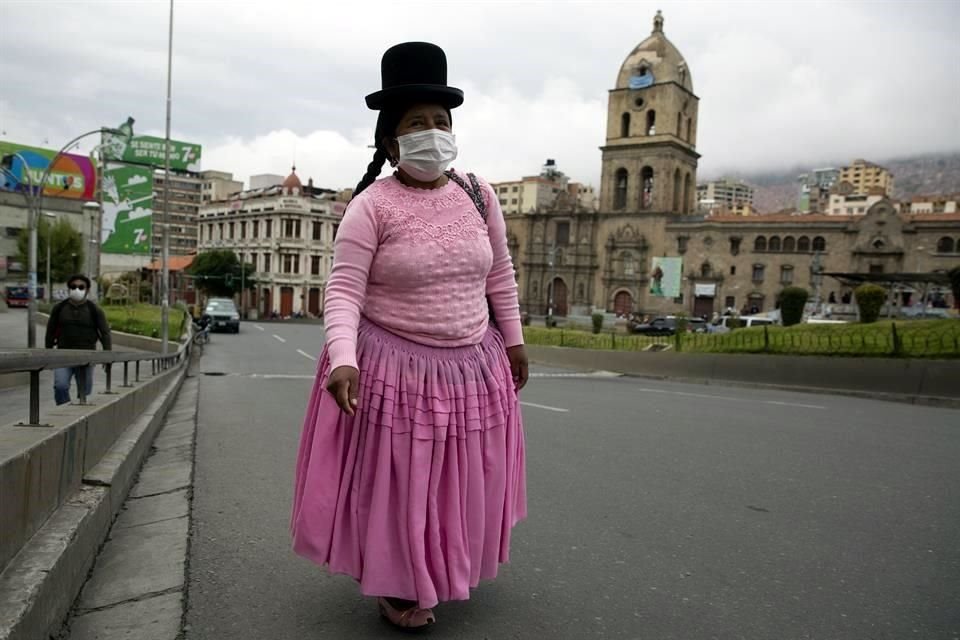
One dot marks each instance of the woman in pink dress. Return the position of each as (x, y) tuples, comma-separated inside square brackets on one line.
[(410, 473)]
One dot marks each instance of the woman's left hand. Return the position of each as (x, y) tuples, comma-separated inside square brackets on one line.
[(518, 365)]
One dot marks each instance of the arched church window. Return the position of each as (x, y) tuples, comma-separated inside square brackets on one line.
[(706, 270), (760, 244), (625, 125), (819, 244), (687, 193), (620, 192), (689, 130), (651, 122), (774, 243), (803, 244), (945, 245), (677, 186), (679, 125), (646, 182), (789, 244)]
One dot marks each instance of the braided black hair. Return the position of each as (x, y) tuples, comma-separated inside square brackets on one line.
[(387, 123)]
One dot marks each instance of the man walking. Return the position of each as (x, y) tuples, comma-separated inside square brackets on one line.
[(76, 323)]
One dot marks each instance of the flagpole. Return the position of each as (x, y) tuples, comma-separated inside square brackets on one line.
[(165, 257)]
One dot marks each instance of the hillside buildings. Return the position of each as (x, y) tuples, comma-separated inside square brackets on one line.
[(531, 193), (725, 195)]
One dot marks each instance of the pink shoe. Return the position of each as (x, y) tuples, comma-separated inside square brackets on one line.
[(413, 618)]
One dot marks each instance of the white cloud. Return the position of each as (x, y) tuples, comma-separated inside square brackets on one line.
[(781, 83)]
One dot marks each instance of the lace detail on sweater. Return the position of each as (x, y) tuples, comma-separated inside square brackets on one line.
[(395, 208)]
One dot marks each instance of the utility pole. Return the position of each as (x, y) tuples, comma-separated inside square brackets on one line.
[(165, 257)]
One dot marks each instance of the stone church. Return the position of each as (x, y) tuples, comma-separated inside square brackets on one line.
[(580, 260)]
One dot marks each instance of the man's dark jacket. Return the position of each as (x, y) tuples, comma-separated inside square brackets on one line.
[(77, 326)]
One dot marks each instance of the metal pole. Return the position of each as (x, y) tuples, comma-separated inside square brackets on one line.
[(165, 283), (48, 292), (243, 289), (32, 279)]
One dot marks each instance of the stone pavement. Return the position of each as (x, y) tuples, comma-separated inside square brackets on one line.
[(136, 589)]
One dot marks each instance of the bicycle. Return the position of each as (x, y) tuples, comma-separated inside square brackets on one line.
[(201, 334)]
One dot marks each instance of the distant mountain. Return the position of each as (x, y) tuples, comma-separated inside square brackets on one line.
[(921, 175)]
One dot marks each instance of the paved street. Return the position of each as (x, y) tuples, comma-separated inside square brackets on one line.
[(657, 510)]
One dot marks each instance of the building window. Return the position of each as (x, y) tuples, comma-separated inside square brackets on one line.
[(253, 261), (689, 130), (677, 187), (231, 230), (290, 263), (620, 191), (625, 125), (503, 202), (945, 245), (758, 273), (730, 302), (733, 270), (336, 228), (688, 187), (255, 229), (628, 264), (819, 244), (706, 270), (680, 125), (317, 230), (789, 244), (786, 274), (773, 244), (651, 122), (563, 233), (876, 268), (646, 181), (760, 244), (734, 245), (266, 263), (682, 244), (268, 228), (513, 201), (803, 244), (514, 189), (220, 235), (243, 230), (314, 265)]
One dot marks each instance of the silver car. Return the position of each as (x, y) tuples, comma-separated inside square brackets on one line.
[(223, 315)]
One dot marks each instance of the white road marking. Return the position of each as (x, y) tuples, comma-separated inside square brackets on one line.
[(279, 338), (306, 355), (282, 376), (258, 327), (582, 374), (716, 397), (543, 406)]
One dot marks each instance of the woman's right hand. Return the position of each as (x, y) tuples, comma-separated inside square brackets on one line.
[(344, 384)]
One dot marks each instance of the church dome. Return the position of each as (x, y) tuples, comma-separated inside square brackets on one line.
[(292, 181), (654, 61)]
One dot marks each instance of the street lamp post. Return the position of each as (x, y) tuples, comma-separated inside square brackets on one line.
[(552, 263), (36, 200), (49, 292)]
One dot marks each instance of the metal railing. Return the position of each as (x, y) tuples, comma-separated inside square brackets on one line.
[(33, 361)]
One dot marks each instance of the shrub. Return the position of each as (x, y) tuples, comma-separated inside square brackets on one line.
[(792, 301), (870, 299), (682, 322), (597, 319)]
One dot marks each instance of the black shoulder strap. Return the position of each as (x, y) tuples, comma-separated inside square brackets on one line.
[(55, 313), (474, 191)]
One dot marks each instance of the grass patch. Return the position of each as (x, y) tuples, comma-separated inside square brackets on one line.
[(909, 338), (139, 319)]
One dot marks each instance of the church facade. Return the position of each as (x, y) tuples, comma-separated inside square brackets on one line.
[(572, 260)]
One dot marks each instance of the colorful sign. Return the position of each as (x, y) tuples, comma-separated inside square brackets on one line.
[(665, 276), (127, 209), (148, 150), (72, 176)]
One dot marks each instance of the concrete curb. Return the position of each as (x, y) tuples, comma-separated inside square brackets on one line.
[(40, 585), (905, 380)]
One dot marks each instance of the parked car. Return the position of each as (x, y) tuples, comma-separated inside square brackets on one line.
[(223, 315), (656, 327), (696, 325)]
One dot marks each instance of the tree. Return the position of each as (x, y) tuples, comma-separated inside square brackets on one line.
[(870, 299), (218, 273), (66, 249), (955, 285), (792, 302)]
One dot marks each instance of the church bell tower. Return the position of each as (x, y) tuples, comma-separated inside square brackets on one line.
[(649, 161)]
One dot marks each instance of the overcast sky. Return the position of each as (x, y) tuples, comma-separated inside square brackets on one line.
[(260, 84)]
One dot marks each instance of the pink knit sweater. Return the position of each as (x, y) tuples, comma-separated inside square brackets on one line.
[(420, 263)]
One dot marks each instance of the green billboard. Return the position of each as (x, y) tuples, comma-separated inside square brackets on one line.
[(127, 209), (148, 150)]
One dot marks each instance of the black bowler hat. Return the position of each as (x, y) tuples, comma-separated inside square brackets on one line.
[(414, 72)]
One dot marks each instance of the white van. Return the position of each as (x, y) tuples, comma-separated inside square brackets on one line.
[(722, 324)]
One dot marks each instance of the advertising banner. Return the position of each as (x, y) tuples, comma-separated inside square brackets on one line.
[(148, 150), (665, 276), (73, 176), (127, 209)]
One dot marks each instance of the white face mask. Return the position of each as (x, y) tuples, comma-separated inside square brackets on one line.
[(78, 294), (425, 155)]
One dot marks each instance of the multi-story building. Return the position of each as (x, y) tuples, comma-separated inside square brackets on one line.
[(723, 194), (286, 232), (531, 193), (581, 260), (935, 204), (864, 176), (218, 185), (815, 190), (186, 191)]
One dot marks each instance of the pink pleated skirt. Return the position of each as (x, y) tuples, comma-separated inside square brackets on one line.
[(415, 496)]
